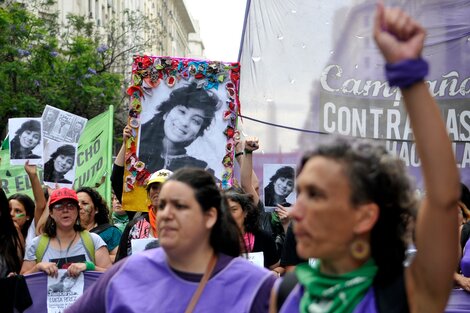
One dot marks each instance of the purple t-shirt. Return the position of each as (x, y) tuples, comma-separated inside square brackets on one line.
[(465, 261), (98, 294)]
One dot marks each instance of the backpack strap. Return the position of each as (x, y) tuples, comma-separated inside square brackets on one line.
[(287, 284), (392, 297), (101, 228), (42, 247), (88, 244)]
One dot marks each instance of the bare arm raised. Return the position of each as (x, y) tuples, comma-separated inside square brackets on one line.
[(429, 278)]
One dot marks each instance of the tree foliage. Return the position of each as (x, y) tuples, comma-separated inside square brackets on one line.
[(77, 67)]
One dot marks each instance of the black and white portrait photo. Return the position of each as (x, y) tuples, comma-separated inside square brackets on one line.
[(65, 284), (183, 126), (279, 185), (76, 130), (49, 118), (59, 163), (63, 291), (62, 126), (25, 140)]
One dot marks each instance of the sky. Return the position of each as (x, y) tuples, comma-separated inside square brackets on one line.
[(221, 24)]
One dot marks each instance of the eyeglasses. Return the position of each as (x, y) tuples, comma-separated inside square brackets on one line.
[(62, 206)]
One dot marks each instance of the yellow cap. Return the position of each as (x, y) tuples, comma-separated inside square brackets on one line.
[(159, 176)]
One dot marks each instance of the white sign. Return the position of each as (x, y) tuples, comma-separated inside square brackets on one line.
[(139, 245), (256, 258), (63, 291)]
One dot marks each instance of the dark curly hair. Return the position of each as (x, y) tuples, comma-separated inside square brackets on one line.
[(31, 125), (29, 206), (246, 201), (225, 236), (102, 217), (285, 171), (378, 177), (193, 97)]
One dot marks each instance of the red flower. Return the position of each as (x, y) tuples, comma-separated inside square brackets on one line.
[(231, 105), (229, 132), (199, 76), (236, 67), (143, 62), (170, 81), (234, 76), (134, 89)]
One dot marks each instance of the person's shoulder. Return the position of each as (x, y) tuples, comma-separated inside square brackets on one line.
[(243, 264), (35, 241), (97, 240), (262, 234), (154, 256)]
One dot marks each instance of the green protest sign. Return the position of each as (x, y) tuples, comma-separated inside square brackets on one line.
[(94, 161), (94, 158)]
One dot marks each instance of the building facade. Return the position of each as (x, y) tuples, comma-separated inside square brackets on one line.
[(175, 34)]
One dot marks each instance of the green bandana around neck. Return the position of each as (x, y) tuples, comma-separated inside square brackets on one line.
[(333, 293)]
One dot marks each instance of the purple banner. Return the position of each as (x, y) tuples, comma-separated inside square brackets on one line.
[(37, 285)]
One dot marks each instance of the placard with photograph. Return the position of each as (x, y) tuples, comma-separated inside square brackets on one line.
[(183, 113), (63, 291), (26, 141), (62, 126), (279, 185), (59, 163)]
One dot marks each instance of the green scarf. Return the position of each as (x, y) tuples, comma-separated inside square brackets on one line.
[(333, 293), (120, 221)]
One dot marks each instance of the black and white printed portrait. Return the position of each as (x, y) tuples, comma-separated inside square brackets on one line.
[(279, 184), (62, 126), (65, 284), (25, 140), (60, 160), (76, 130), (183, 126), (49, 118)]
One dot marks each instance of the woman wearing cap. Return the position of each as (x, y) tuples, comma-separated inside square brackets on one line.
[(64, 244), (145, 226), (60, 163), (280, 186), (354, 200), (197, 268), (27, 137), (180, 120)]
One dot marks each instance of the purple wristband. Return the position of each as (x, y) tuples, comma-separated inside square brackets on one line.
[(405, 73)]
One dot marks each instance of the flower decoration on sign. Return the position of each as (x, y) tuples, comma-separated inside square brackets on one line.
[(148, 72)]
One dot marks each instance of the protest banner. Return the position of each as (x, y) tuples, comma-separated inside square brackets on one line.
[(94, 160), (183, 113), (335, 84)]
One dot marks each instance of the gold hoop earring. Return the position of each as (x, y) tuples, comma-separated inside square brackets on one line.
[(360, 249)]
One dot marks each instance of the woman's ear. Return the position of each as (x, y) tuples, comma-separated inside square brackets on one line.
[(210, 217), (366, 217)]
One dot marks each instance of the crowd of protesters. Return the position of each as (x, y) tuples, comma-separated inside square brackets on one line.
[(351, 239)]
